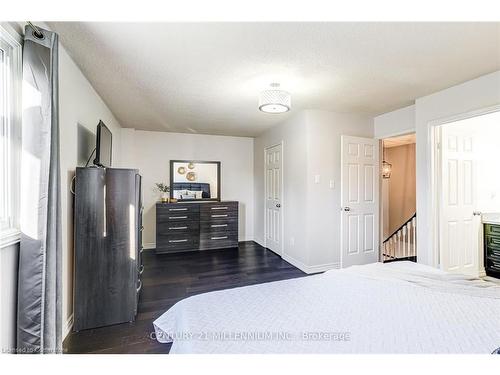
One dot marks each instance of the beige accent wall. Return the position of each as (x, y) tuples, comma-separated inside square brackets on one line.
[(401, 185)]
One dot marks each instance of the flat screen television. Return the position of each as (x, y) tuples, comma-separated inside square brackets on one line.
[(103, 148)]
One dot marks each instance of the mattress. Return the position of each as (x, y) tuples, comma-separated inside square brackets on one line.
[(399, 307)]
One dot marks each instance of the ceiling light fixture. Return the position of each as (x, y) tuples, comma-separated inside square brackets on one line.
[(275, 100)]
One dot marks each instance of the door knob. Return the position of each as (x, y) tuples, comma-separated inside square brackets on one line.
[(278, 205), (347, 208)]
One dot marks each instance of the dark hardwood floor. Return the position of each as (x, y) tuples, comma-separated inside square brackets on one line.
[(169, 278)]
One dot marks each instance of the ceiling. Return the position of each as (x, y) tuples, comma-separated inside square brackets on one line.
[(206, 77), (400, 140)]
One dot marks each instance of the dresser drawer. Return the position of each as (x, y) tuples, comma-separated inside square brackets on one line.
[(168, 217), (230, 215), (492, 230), (177, 208), (177, 242), (218, 226), (218, 240), (177, 226)]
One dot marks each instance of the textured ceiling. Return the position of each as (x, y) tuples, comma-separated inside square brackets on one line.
[(206, 77)]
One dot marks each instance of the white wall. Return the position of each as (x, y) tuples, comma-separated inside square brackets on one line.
[(323, 204), (400, 121), (311, 211), (80, 104), (293, 134), (151, 153)]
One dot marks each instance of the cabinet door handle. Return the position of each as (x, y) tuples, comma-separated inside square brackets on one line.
[(177, 241), (141, 270), (176, 228), (218, 225), (219, 238), (142, 250), (177, 209), (219, 215), (219, 208), (140, 286), (142, 228), (177, 217)]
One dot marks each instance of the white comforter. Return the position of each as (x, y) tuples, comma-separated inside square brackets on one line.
[(399, 307)]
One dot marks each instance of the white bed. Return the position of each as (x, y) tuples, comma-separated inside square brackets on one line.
[(398, 307)]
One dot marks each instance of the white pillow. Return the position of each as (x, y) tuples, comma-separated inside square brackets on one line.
[(197, 193), (177, 193)]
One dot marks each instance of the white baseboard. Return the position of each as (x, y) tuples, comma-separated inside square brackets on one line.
[(68, 325), (310, 269), (149, 245)]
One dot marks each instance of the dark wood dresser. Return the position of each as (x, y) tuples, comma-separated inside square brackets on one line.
[(108, 239), (196, 226), (492, 249)]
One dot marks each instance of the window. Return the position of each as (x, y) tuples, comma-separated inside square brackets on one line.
[(10, 124)]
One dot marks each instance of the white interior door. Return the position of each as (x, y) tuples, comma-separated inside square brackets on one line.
[(274, 184), (360, 200), (459, 228)]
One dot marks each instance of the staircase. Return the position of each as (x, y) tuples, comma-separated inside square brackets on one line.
[(402, 244)]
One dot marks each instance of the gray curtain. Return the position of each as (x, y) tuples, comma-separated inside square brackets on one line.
[(40, 273)]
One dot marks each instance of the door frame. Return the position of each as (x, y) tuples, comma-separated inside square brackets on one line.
[(282, 249), (381, 181), (433, 128)]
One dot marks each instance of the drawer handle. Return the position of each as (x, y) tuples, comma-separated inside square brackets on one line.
[(219, 215), (219, 208), (140, 286), (177, 241), (177, 217), (219, 238), (218, 225), (176, 228), (141, 270), (177, 209)]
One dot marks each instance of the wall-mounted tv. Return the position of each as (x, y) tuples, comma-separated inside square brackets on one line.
[(103, 147)]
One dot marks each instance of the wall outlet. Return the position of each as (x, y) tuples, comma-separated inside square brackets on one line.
[(332, 184), (292, 241), (317, 179)]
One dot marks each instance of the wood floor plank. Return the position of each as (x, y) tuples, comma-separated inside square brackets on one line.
[(169, 278)]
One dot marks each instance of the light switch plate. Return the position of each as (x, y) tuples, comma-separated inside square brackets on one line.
[(332, 184), (317, 179)]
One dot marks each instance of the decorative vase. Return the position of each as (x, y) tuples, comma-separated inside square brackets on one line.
[(165, 197)]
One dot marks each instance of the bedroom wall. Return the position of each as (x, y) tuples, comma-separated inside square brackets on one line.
[(293, 134), (151, 153), (324, 131), (311, 147), (400, 121), (79, 104)]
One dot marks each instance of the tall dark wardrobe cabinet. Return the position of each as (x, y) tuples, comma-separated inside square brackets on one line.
[(108, 266)]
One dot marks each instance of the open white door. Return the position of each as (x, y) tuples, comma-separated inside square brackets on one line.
[(360, 200), (459, 228), (274, 183)]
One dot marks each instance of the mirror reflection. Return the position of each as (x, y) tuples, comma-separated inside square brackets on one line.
[(194, 180)]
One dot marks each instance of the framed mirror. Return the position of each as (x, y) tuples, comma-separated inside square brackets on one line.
[(195, 180)]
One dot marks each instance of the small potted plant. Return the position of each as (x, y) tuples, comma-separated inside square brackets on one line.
[(164, 190)]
